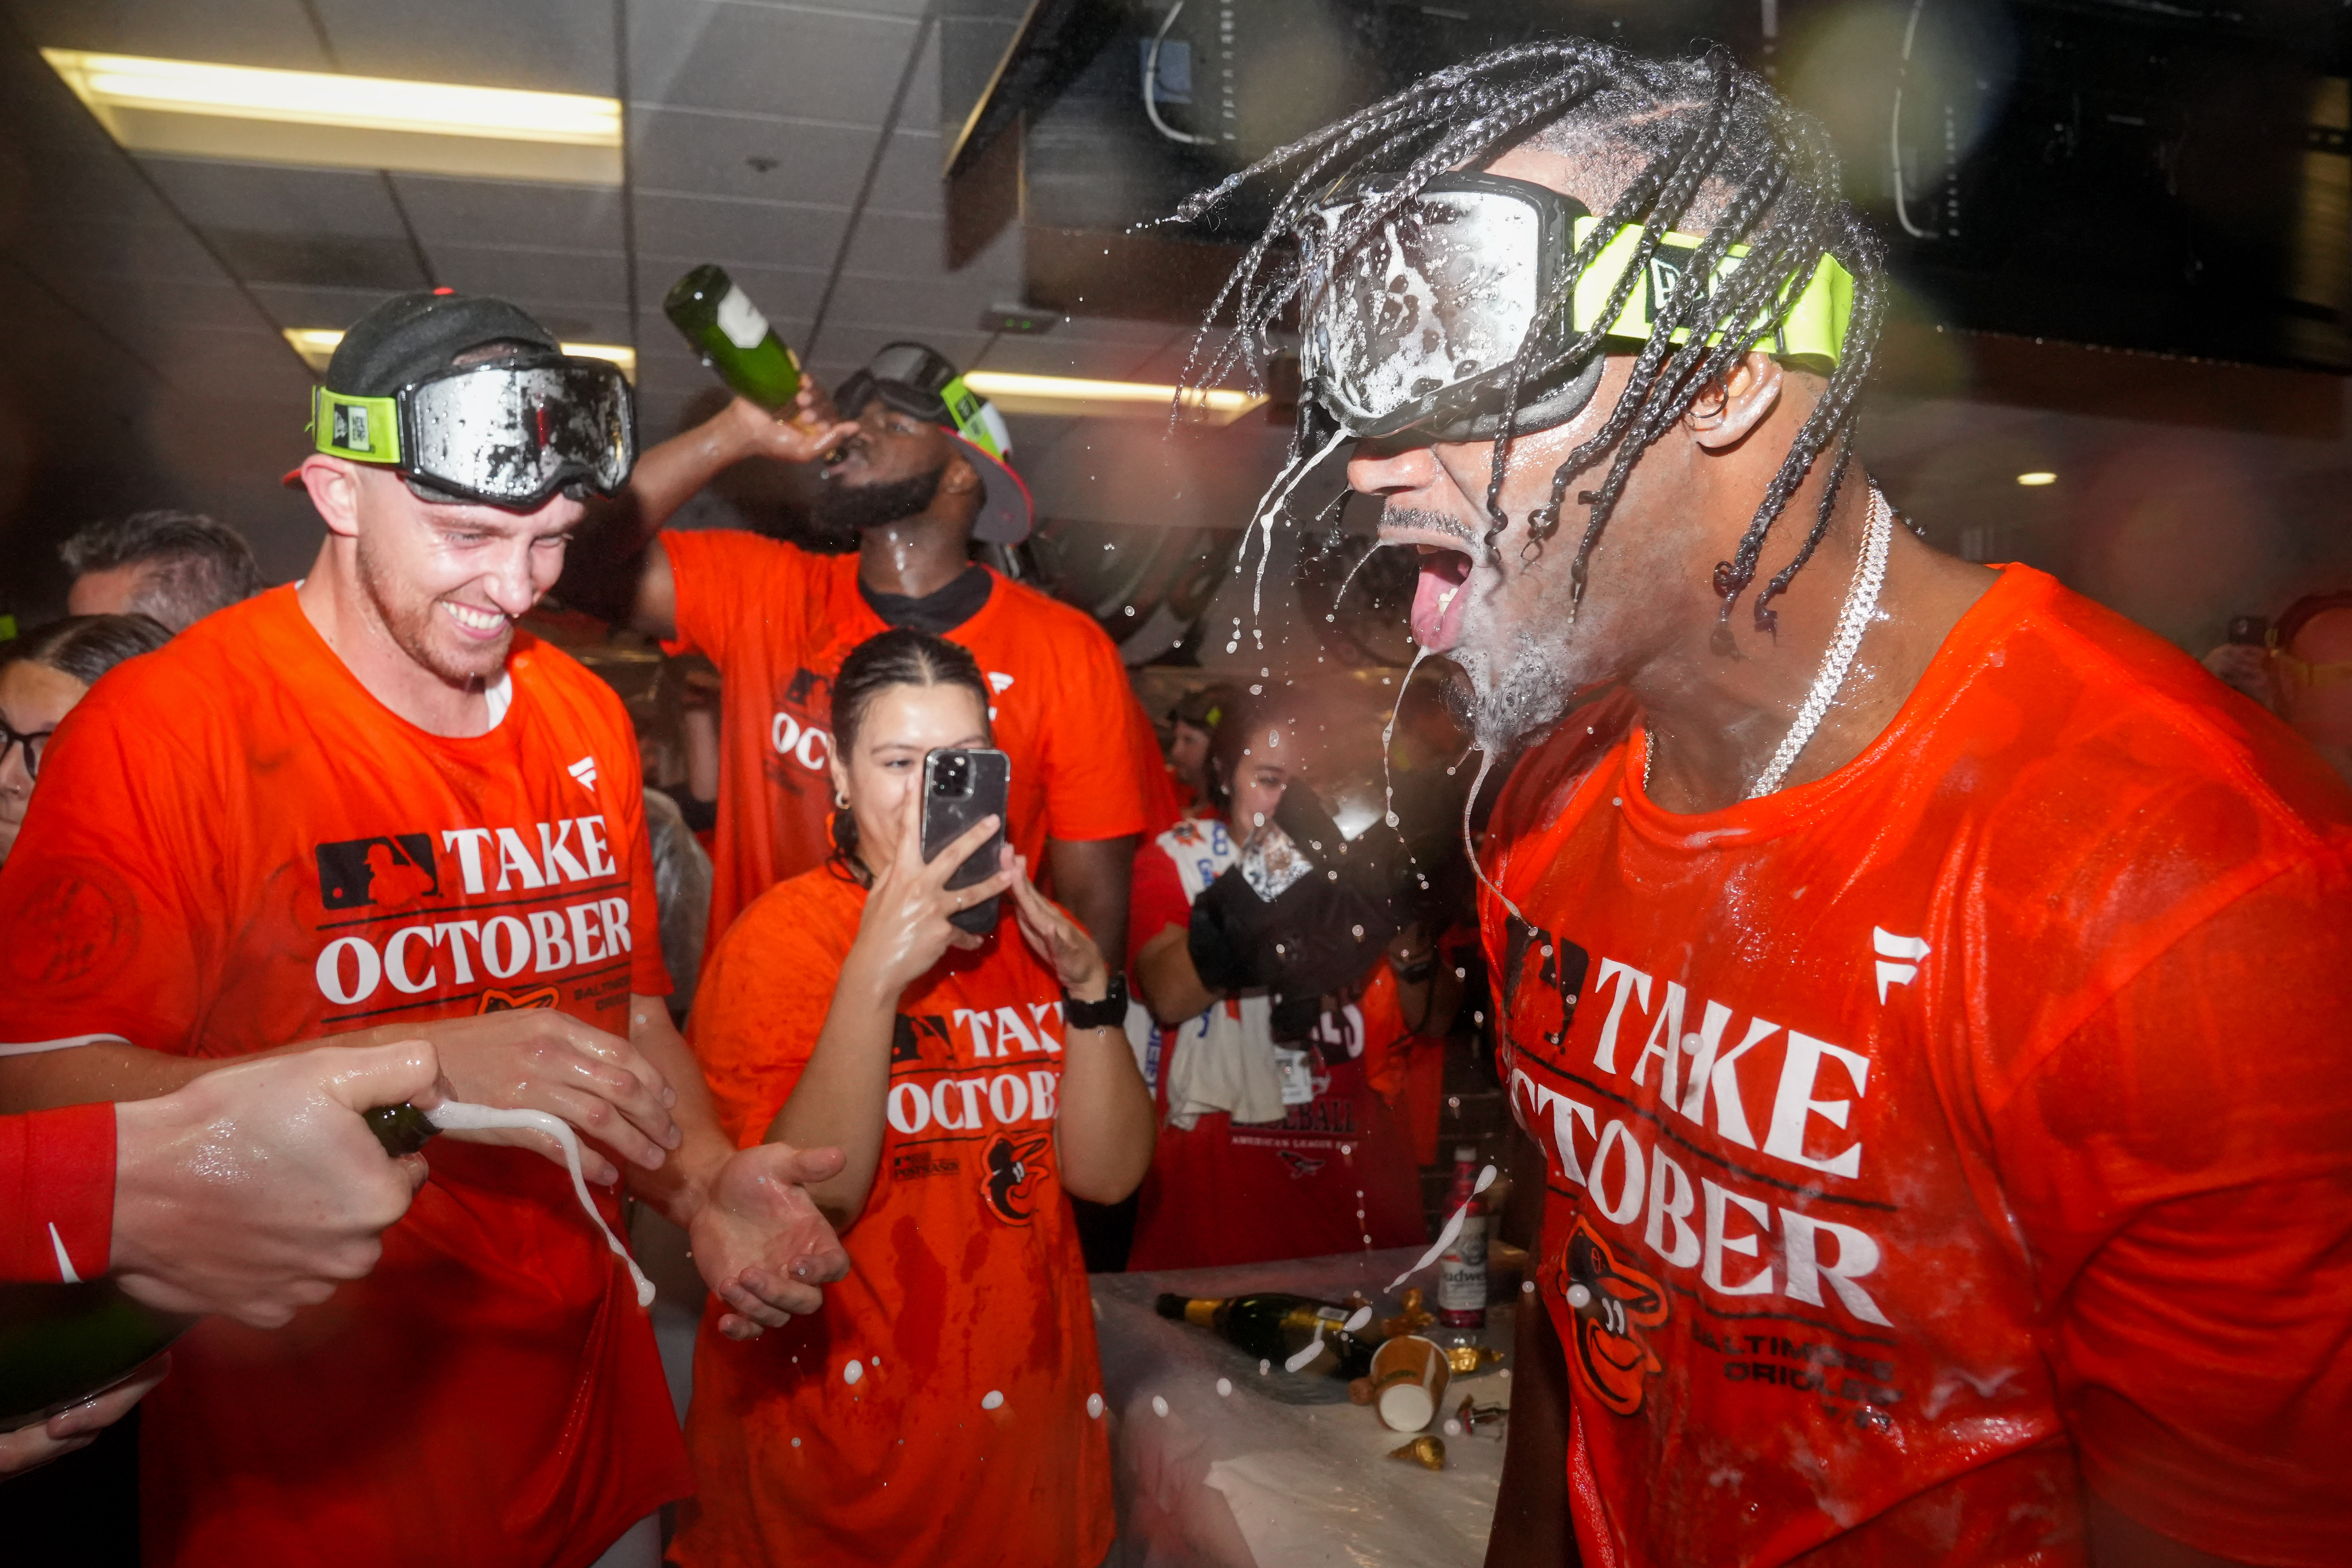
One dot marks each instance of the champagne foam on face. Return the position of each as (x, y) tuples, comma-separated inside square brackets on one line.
[(454, 1115)]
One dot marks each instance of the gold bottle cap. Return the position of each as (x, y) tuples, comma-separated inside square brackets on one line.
[(1467, 1359), (1200, 1314), (1427, 1452)]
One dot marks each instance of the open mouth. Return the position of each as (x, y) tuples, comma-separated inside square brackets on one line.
[(1439, 597)]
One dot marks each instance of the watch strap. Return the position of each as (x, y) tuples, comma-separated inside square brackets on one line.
[(1110, 1013)]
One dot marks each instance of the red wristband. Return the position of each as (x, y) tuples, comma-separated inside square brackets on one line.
[(57, 1194)]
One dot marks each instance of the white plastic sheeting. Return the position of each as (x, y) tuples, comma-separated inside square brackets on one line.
[(1283, 1472)]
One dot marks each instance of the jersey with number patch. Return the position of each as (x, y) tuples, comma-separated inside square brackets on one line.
[(1972, 1124), (778, 621), (938, 1408), (235, 846), (1332, 1171)]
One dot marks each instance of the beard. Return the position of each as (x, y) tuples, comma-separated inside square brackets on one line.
[(842, 510), (411, 623)]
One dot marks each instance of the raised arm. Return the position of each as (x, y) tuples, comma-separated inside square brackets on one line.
[(904, 931), (668, 476), (1104, 1128)]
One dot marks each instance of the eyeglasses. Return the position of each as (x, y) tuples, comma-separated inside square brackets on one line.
[(11, 738)]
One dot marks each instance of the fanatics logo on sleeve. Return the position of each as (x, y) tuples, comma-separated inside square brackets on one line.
[(396, 868), (1905, 950)]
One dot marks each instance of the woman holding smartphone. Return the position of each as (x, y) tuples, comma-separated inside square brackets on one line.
[(943, 1406)]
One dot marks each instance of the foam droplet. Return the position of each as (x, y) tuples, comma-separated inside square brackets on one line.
[(1453, 1427), (1527, 1287), (1264, 1367), (993, 1400), (853, 1372), (1094, 1407), (1485, 1180), (1356, 1320), (1224, 1387), (1579, 1296), (1159, 1405)]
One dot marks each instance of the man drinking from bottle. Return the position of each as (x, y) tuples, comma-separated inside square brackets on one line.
[(913, 474), (368, 805)]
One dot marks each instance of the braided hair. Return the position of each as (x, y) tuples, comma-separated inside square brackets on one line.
[(1695, 145)]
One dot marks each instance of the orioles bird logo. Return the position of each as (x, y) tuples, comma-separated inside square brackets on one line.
[(1612, 1304), (496, 1001), (1300, 1165), (1007, 1185)]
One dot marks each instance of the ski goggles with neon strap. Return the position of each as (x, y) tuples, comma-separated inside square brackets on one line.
[(918, 381), (510, 432), (1417, 328)]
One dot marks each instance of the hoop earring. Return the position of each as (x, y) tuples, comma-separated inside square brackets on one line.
[(840, 801)]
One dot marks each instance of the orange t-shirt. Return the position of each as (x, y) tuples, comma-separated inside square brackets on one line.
[(941, 1408), (235, 845), (1972, 1124), (778, 621)]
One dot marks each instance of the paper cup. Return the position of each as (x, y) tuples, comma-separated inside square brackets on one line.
[(1409, 1376)]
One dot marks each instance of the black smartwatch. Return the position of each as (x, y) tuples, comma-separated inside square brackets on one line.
[(1110, 1013)]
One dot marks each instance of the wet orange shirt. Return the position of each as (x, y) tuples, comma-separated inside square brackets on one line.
[(936, 1410), (1974, 1123), (235, 845), (778, 621)]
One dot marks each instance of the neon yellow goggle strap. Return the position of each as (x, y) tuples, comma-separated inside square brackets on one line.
[(964, 407), (1815, 328), (364, 429)]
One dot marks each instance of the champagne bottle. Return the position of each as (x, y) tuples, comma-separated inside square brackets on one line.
[(60, 1344), (1275, 1327), (733, 338)]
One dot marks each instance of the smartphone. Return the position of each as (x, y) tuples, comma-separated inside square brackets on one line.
[(961, 785)]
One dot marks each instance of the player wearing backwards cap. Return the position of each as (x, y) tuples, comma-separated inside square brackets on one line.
[(1938, 1049), (913, 474), (366, 805)]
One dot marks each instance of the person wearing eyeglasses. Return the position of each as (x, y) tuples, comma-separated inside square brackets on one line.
[(42, 675), (2310, 658)]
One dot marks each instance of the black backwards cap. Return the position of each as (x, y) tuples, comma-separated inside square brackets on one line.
[(412, 336)]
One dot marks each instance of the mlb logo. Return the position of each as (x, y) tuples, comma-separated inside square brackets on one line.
[(396, 868)]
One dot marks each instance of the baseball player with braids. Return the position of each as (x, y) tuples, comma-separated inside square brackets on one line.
[(1927, 987)]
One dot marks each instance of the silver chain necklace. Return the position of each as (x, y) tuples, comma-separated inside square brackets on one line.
[(1853, 619)]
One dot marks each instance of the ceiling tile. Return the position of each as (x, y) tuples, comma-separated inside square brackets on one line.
[(761, 157), (758, 234), (939, 305), (264, 198), (272, 33), (292, 305), (909, 180), (508, 212), (142, 309), (766, 59), (890, 244), (546, 46), (150, 249), (519, 273)]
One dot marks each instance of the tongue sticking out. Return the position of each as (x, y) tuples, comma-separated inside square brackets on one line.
[(1438, 598)]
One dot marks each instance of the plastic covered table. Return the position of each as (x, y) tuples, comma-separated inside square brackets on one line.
[(1220, 1465)]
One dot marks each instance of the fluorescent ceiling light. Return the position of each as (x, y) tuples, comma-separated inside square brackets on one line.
[(1073, 395), (2038, 476), (195, 109), (317, 346)]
